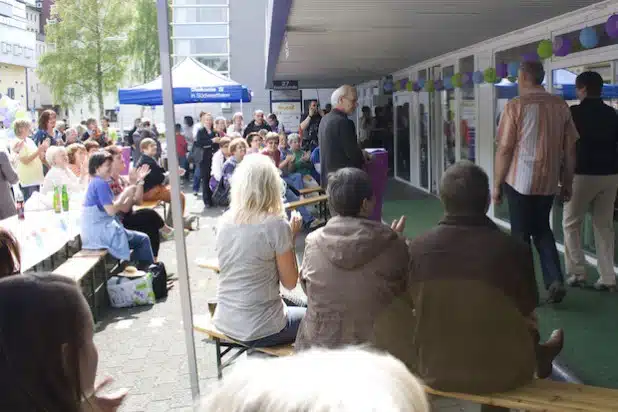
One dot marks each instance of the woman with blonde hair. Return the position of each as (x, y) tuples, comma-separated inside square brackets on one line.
[(237, 124), (78, 158), (344, 380), (255, 248), (60, 174)]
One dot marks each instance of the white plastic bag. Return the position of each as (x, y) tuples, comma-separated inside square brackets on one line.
[(125, 292)]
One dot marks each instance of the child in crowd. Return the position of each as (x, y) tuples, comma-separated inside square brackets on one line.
[(182, 147), (78, 158), (91, 146), (28, 160), (254, 140), (218, 159), (272, 151), (238, 150)]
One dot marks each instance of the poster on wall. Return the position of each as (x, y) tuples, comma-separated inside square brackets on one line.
[(288, 114)]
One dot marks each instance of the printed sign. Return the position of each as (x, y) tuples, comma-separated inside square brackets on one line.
[(285, 85)]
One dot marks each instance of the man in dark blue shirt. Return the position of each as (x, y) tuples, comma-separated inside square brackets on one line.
[(595, 183)]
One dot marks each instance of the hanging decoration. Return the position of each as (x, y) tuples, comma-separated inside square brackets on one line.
[(404, 84), (397, 86), (530, 57), (513, 69), (489, 75), (421, 83), (611, 27), (588, 38), (439, 85), (409, 85), (430, 86), (562, 46), (478, 77), (448, 83), (457, 80), (545, 49), (466, 79), (501, 70), (417, 87)]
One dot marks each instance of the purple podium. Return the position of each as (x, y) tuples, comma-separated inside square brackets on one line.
[(126, 158), (377, 169)]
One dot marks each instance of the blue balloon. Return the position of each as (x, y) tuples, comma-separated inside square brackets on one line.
[(513, 69), (588, 38), (448, 83), (478, 77), (421, 83)]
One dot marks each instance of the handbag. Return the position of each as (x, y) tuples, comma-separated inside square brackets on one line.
[(196, 154), (159, 279), (221, 194)]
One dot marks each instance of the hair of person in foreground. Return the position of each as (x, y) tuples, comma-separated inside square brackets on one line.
[(342, 380)]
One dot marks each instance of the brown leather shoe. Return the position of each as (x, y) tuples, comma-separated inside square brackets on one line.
[(547, 352)]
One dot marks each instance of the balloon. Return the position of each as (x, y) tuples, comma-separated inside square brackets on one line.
[(467, 78), (21, 114), (439, 85), (588, 38), (417, 87), (501, 70), (545, 49), (513, 69), (430, 86), (611, 27), (562, 46), (421, 83), (478, 77), (489, 75), (410, 85), (448, 83), (456, 80), (4, 101)]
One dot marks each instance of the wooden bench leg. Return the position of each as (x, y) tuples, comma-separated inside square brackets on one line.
[(218, 352)]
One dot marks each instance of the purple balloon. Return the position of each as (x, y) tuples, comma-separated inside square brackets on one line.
[(611, 27), (501, 70), (562, 46), (416, 87), (478, 77), (466, 78), (439, 85), (402, 84)]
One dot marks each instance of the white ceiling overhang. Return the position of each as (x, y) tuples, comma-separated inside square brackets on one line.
[(330, 42)]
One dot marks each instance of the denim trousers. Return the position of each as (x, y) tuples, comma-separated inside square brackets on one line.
[(140, 243)]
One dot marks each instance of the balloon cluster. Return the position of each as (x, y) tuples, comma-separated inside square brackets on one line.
[(11, 110), (561, 46)]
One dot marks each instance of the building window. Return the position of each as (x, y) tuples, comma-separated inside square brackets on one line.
[(200, 30), (201, 46), (199, 2), (201, 15), (220, 64)]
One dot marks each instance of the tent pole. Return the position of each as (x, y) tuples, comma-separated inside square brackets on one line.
[(177, 218)]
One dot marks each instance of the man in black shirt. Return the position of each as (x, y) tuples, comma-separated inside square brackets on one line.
[(595, 183), (310, 126), (258, 123)]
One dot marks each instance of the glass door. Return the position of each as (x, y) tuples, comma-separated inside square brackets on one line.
[(403, 166), (423, 134), (447, 105), (436, 154)]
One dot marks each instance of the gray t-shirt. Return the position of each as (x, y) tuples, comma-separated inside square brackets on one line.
[(249, 305)]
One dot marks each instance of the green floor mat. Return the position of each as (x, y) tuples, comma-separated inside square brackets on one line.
[(589, 318)]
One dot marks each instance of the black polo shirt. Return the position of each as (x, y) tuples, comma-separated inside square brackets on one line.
[(597, 146)]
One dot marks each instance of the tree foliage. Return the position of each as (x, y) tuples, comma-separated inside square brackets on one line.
[(87, 49), (143, 42)]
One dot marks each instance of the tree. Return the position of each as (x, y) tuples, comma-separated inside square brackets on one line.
[(143, 43), (88, 52)]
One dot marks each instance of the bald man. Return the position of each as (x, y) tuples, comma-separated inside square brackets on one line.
[(337, 135)]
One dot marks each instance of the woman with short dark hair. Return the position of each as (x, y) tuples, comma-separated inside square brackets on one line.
[(10, 254), (353, 268), (100, 226), (50, 364)]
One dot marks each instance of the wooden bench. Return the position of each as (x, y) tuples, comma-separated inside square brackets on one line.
[(311, 190), (151, 204), (543, 395), (319, 200), (203, 324), (212, 264), (78, 267)]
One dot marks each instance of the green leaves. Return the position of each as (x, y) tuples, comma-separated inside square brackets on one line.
[(143, 43), (87, 49)]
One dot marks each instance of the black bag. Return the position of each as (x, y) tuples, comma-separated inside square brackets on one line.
[(221, 194), (159, 280)]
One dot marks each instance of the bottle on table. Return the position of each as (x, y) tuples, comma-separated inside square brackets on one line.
[(57, 203), (65, 198), (19, 204)]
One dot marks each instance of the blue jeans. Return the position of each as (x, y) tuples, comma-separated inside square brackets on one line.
[(28, 191), (530, 219), (184, 163), (285, 336), (140, 243), (291, 197), (197, 178), (295, 180)]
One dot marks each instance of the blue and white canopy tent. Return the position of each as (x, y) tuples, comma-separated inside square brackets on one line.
[(193, 83)]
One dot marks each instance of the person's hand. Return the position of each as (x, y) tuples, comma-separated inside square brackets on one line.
[(312, 111), (296, 222), (181, 171), (496, 195), (306, 157), (216, 139), (565, 193), (135, 175), (105, 403), (368, 156), (18, 146), (289, 158), (44, 146), (399, 225)]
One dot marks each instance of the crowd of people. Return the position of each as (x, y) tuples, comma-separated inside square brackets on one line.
[(455, 305)]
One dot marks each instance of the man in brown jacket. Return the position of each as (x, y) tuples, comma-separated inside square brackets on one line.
[(470, 301)]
